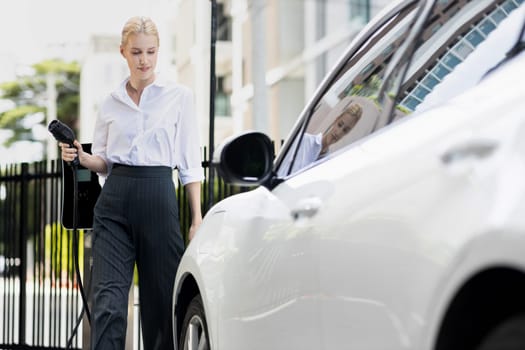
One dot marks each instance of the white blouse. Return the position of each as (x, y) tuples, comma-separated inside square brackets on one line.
[(161, 130)]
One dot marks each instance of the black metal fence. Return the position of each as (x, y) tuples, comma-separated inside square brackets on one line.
[(40, 299)]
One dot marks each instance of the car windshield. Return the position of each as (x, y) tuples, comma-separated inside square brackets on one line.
[(459, 43)]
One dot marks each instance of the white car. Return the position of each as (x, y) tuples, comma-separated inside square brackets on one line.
[(404, 229)]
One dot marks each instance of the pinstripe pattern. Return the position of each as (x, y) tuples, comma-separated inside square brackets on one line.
[(136, 219)]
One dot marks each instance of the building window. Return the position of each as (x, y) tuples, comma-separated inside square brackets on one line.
[(222, 98), (360, 9), (224, 24)]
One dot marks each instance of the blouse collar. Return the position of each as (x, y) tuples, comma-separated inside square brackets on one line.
[(121, 94)]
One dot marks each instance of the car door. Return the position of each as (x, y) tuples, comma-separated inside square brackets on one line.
[(324, 174), (271, 276)]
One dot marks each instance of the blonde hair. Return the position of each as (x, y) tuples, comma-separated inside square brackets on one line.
[(136, 25), (354, 109)]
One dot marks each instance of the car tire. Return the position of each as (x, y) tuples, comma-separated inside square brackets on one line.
[(509, 335), (194, 334)]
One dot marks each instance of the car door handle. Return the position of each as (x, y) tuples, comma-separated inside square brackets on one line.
[(306, 208), (475, 149)]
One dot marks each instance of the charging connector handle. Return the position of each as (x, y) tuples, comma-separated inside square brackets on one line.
[(63, 133)]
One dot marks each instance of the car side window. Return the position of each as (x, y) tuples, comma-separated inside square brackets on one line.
[(348, 110)]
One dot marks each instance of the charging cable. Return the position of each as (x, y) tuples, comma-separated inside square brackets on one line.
[(76, 258)]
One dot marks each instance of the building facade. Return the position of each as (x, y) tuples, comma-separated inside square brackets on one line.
[(270, 57)]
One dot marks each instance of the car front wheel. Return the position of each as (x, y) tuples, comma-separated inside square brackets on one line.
[(510, 335), (194, 335)]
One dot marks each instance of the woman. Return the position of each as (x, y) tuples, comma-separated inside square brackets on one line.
[(144, 129)]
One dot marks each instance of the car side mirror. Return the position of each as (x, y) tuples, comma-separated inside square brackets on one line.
[(245, 160)]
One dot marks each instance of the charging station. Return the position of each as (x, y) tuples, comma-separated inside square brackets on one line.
[(88, 192)]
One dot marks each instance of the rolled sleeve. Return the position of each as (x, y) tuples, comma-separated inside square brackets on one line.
[(191, 175), (187, 143)]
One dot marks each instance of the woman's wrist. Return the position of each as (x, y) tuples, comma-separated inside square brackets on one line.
[(196, 220)]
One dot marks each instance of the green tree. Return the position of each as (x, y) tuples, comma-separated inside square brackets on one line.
[(29, 95)]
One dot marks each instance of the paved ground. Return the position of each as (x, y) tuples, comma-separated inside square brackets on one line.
[(55, 313)]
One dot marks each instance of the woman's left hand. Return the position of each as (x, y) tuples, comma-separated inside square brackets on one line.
[(194, 199), (193, 229)]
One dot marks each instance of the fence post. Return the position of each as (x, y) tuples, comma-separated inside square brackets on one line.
[(22, 252), (88, 257), (213, 87)]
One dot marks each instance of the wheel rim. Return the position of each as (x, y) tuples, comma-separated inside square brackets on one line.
[(195, 335)]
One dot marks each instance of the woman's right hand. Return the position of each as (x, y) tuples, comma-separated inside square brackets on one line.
[(69, 153)]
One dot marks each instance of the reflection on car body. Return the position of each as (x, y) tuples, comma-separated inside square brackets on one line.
[(407, 235)]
